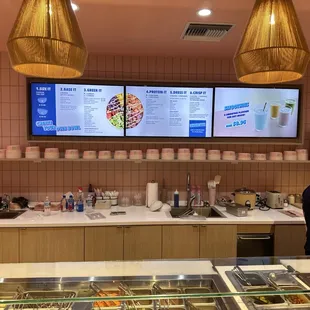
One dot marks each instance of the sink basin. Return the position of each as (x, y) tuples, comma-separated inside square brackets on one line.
[(10, 215), (206, 212)]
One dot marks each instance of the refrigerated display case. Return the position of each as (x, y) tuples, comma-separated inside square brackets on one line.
[(283, 284)]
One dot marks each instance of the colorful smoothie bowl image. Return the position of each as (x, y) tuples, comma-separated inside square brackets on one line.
[(275, 110)]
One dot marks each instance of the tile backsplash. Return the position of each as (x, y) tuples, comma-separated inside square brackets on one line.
[(36, 180)]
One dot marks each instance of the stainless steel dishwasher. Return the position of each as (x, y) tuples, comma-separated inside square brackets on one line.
[(255, 245)]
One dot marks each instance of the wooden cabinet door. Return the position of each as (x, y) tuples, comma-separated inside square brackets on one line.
[(142, 242), (180, 241), (289, 240), (62, 244), (104, 243), (218, 241), (9, 245)]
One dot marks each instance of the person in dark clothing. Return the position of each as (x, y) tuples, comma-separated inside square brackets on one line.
[(306, 209)]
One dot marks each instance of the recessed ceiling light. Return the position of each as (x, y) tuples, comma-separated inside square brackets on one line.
[(204, 12), (75, 7)]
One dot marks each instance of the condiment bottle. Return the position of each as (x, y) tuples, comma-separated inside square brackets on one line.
[(176, 199)]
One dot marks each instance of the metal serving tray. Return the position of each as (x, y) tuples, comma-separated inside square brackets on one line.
[(22, 289)]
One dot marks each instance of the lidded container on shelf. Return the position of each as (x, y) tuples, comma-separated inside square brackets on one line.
[(72, 154), (13, 152), (32, 152), (51, 153)]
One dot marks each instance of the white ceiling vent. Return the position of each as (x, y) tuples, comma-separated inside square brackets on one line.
[(205, 32)]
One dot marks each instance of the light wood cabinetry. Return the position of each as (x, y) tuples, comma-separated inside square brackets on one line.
[(180, 241), (51, 244), (289, 240), (104, 243), (9, 245), (256, 229), (218, 241), (142, 242)]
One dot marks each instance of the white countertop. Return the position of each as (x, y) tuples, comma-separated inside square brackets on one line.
[(143, 216), (107, 269)]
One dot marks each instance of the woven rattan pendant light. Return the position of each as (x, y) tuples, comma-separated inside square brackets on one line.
[(273, 48), (46, 40)]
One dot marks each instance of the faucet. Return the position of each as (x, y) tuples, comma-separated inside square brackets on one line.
[(188, 188), (190, 198)]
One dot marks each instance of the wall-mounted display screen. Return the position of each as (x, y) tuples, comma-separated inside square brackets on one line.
[(77, 110), (168, 111), (256, 112)]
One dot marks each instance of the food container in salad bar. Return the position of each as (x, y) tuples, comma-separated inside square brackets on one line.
[(298, 300), (152, 154)]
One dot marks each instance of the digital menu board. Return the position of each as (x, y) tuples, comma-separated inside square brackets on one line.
[(77, 110), (168, 111), (256, 112)]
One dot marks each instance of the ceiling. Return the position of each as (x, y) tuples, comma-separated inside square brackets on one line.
[(154, 27)]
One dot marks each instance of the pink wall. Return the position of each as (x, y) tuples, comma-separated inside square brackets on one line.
[(36, 180)]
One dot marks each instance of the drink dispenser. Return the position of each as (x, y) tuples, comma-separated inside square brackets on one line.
[(212, 189)]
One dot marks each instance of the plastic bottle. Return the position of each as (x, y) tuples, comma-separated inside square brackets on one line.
[(198, 196), (80, 201), (47, 206), (176, 199), (70, 204), (63, 203), (89, 204)]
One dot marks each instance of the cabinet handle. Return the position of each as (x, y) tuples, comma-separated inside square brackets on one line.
[(195, 226), (23, 228), (204, 226), (119, 226), (127, 227)]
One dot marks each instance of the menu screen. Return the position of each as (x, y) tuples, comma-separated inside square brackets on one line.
[(256, 112), (168, 111), (77, 110)]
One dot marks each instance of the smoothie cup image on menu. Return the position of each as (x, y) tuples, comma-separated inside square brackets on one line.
[(284, 116), (274, 109), (290, 103), (260, 119)]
